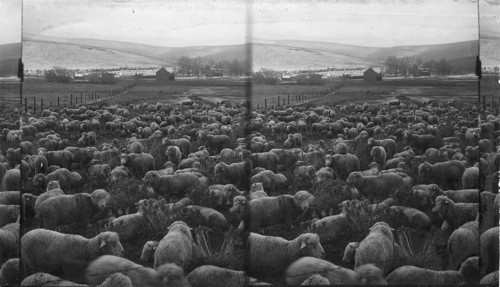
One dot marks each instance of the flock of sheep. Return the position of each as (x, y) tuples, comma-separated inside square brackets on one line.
[(279, 192)]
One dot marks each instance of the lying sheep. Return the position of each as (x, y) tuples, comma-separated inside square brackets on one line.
[(409, 275), (9, 241), (99, 269), (10, 274), (45, 250), (350, 252), (377, 247), (454, 214), (138, 164), (444, 174), (462, 243), (489, 243), (306, 266), (127, 226), (66, 209), (176, 247), (177, 184), (223, 277), (273, 254), (272, 210), (148, 251), (46, 279)]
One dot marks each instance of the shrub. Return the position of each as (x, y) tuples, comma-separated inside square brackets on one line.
[(265, 76), (125, 194), (420, 252), (102, 78), (58, 75)]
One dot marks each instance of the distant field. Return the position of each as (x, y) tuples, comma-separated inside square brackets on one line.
[(9, 93)]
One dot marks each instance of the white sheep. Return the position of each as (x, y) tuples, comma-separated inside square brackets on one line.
[(274, 254), (66, 209), (408, 275), (127, 226), (50, 251), (306, 266), (9, 241), (377, 247), (148, 251), (350, 252), (176, 247), (99, 269), (454, 214), (209, 274)]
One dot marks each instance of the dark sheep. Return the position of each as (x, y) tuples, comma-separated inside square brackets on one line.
[(138, 164), (443, 174)]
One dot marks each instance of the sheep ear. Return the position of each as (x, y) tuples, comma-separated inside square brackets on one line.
[(103, 243), (302, 245)]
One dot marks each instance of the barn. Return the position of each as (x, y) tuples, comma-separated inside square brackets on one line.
[(371, 75), (164, 75)]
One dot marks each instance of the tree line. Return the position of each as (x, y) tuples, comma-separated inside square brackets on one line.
[(200, 66), (413, 66)]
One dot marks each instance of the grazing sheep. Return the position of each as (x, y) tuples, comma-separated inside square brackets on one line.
[(463, 242), (350, 252), (489, 250), (98, 174), (389, 145), (176, 247), (67, 179), (148, 251), (138, 164), (378, 155), (267, 178), (454, 214), (444, 174), (174, 155), (421, 142), (273, 254), (235, 173), (127, 226), (343, 164), (304, 173), (222, 277), (9, 241), (66, 209), (135, 147), (198, 215), (272, 210), (412, 275), (214, 143), (306, 266), (267, 160), (62, 158), (177, 184), (46, 279), (45, 250), (377, 247), (330, 228), (288, 158), (461, 195), (48, 194), (380, 186), (10, 274)]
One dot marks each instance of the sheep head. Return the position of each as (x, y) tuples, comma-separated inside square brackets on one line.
[(310, 245), (100, 198), (302, 200), (109, 244)]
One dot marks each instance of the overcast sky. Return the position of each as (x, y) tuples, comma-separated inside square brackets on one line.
[(10, 21), (177, 23), (490, 18)]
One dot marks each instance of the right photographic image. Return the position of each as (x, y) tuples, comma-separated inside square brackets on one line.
[(378, 122)]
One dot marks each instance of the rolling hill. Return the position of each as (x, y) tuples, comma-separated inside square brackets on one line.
[(9, 57), (78, 53)]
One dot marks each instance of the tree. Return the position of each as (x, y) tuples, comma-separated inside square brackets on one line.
[(443, 67), (58, 75)]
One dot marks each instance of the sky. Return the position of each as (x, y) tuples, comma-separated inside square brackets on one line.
[(490, 18), (10, 21), (177, 23)]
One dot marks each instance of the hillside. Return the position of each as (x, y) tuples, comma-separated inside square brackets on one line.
[(9, 58), (280, 55), (490, 52), (45, 55)]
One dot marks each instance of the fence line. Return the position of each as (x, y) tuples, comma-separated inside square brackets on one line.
[(291, 99)]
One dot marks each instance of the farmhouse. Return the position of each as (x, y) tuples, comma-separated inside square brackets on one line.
[(164, 75), (371, 75)]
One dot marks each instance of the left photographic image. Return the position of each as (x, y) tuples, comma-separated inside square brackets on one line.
[(134, 111), (12, 171)]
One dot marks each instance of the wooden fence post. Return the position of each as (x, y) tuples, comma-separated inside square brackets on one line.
[(81, 98), (26, 105), (34, 105), (41, 105), (288, 99), (57, 101), (278, 101), (265, 104), (71, 100)]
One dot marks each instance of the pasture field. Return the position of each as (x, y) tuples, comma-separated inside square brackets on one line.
[(9, 93)]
